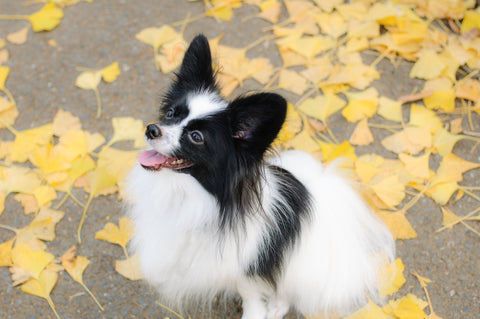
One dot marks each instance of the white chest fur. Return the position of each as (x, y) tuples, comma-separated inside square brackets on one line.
[(177, 236)]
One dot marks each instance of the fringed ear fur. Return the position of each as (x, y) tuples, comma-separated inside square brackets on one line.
[(256, 120)]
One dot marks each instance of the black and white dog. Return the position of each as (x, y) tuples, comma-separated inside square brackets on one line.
[(214, 215)]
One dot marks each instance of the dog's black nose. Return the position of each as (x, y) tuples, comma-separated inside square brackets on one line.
[(153, 131)]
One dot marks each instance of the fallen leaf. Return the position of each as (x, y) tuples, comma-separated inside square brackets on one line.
[(362, 134), (411, 140), (391, 278), (390, 190), (417, 166), (128, 128), (399, 225), (129, 268), (156, 37), (444, 141), (6, 253), (88, 80), (114, 234), (75, 266), (18, 37), (47, 18), (32, 261), (64, 121), (111, 72), (390, 109), (322, 106)]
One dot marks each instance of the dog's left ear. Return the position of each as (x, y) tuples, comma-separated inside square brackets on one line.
[(256, 120), (196, 70)]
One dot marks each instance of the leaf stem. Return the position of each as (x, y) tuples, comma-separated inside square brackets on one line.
[(91, 295), (82, 220), (458, 221), (125, 251), (166, 308), (13, 17), (469, 193), (99, 102), (424, 286), (9, 228), (50, 303)]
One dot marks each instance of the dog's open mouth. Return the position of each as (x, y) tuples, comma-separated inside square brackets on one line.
[(152, 160)]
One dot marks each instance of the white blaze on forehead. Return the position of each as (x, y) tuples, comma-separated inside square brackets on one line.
[(202, 104)]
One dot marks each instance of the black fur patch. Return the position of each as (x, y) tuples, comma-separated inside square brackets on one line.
[(289, 210)]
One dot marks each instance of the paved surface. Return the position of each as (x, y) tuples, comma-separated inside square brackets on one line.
[(98, 33)]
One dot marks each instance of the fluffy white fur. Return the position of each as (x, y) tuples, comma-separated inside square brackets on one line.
[(331, 268)]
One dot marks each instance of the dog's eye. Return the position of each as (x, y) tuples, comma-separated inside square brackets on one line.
[(169, 114), (196, 137)]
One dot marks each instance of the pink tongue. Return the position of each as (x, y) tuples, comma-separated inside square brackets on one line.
[(151, 158)]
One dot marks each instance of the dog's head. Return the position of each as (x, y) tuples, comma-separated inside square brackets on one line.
[(202, 134)]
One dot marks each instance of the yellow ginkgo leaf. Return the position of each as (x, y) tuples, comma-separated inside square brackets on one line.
[(114, 234), (117, 162), (128, 128), (441, 192), (6, 253), (452, 168), (171, 56), (332, 151), (27, 141), (292, 81), (47, 18), (303, 141), (292, 126), (441, 100), (449, 218), (371, 310), (42, 287), (17, 179), (75, 266), (361, 105), (411, 140), (390, 190), (100, 182), (421, 116), (391, 278), (44, 194), (223, 9), (88, 80), (64, 121), (129, 268), (156, 37), (41, 228), (408, 309), (471, 20), (390, 109), (417, 166), (270, 10), (362, 134), (428, 66), (399, 225), (4, 70), (322, 106), (19, 37), (367, 166), (111, 72), (444, 141), (32, 261)]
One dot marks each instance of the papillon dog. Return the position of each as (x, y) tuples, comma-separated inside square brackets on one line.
[(218, 213)]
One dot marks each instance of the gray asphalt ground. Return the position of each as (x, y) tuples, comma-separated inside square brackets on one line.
[(94, 35)]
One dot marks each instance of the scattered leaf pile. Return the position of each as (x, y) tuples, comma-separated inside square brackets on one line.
[(324, 46)]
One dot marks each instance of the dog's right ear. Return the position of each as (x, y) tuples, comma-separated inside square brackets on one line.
[(196, 71)]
